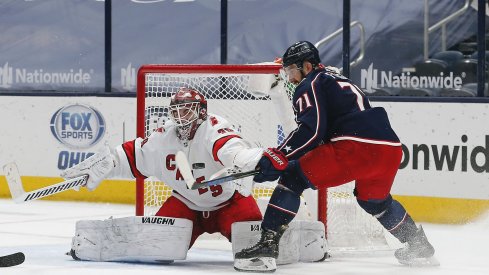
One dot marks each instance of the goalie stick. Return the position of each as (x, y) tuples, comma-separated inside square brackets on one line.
[(184, 166), (12, 259), (224, 179), (20, 195)]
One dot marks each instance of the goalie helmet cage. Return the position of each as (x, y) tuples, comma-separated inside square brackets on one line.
[(227, 90)]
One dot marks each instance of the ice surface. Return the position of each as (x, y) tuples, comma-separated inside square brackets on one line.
[(43, 231)]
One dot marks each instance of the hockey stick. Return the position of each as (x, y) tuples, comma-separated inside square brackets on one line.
[(12, 259), (20, 195), (224, 179), (184, 166)]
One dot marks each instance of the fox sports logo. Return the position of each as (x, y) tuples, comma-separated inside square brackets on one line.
[(78, 126)]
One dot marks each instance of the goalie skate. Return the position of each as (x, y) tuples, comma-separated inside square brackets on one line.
[(260, 264)]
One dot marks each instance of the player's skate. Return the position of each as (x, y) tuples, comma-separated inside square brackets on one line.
[(260, 257), (417, 252)]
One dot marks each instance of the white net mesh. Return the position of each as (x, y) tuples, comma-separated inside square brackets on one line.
[(253, 115), (350, 228)]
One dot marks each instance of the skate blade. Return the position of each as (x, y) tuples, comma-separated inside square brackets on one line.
[(421, 262), (261, 264)]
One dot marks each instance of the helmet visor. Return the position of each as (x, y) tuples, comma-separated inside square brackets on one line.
[(286, 72)]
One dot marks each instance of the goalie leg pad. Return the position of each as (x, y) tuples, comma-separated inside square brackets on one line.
[(132, 239), (313, 244), (87, 242)]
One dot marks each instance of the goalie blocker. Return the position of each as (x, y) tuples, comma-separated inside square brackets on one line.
[(303, 241), (132, 239)]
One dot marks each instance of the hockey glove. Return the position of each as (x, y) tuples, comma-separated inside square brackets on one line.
[(271, 165), (97, 167)]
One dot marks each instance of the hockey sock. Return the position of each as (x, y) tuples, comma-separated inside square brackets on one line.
[(393, 217), (281, 209), (398, 222), (294, 179)]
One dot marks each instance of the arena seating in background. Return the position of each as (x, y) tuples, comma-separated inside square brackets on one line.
[(467, 68), (450, 57), (441, 63), (460, 60), (431, 67), (446, 62), (476, 54), (467, 48)]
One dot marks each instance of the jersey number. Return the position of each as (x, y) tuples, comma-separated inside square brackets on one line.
[(358, 93), (303, 102), (215, 189)]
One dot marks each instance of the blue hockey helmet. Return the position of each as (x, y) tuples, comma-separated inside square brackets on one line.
[(299, 52)]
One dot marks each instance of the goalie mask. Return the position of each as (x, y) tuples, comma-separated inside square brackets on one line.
[(188, 109)]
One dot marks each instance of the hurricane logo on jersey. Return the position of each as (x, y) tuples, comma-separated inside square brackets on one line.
[(77, 126)]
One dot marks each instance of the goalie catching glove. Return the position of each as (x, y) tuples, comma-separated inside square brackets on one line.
[(271, 165), (98, 167)]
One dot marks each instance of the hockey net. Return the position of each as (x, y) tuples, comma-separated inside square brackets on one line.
[(231, 93)]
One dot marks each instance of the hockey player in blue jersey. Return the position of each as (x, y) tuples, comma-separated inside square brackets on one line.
[(340, 138)]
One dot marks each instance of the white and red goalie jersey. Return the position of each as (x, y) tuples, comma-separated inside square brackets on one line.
[(214, 147)]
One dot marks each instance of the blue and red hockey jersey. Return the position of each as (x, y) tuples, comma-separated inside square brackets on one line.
[(328, 108)]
